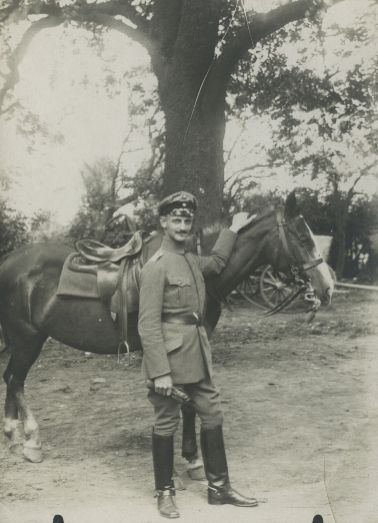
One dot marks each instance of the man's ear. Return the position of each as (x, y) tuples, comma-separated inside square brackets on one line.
[(163, 222)]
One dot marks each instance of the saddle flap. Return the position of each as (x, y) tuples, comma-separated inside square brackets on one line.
[(107, 279)]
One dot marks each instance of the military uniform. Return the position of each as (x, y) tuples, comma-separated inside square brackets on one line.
[(174, 340), (173, 289)]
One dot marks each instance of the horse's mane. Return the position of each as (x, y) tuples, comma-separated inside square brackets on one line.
[(258, 216)]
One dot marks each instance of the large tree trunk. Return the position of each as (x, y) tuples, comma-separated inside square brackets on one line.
[(194, 157), (194, 107)]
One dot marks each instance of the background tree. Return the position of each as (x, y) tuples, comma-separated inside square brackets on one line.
[(13, 229), (43, 227), (323, 114), (195, 47), (100, 201)]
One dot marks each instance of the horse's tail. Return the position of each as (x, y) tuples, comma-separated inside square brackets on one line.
[(3, 341)]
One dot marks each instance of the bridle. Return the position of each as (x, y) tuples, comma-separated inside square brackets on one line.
[(298, 270)]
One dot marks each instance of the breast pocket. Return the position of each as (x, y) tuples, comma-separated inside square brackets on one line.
[(178, 288)]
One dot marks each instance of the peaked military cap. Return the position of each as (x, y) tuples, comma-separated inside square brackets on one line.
[(178, 204)]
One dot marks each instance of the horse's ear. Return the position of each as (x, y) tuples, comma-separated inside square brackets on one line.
[(291, 206)]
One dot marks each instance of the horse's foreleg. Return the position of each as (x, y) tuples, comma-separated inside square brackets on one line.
[(12, 425), (32, 442), (189, 443), (17, 412)]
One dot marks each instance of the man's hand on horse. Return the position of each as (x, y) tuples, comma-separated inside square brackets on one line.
[(241, 220), (163, 385)]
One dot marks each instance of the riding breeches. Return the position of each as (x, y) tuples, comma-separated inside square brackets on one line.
[(206, 401)]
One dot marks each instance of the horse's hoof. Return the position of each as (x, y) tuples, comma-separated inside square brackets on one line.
[(14, 431), (197, 472), (16, 448), (33, 454), (179, 484)]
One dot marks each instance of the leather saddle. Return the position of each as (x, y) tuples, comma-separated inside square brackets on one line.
[(95, 251), (112, 275), (109, 266)]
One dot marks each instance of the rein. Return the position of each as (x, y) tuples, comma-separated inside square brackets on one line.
[(296, 268)]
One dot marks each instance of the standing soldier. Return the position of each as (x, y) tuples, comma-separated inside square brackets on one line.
[(176, 350)]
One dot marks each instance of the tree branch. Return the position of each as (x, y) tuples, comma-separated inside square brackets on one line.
[(363, 171), (17, 56), (6, 12), (107, 20), (123, 8), (49, 7), (261, 25), (100, 13)]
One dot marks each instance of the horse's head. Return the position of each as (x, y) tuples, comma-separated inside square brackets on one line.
[(283, 239), (293, 250)]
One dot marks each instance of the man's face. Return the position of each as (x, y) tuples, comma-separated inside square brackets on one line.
[(177, 227)]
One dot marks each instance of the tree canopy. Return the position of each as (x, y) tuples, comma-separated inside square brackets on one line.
[(194, 47), (214, 62)]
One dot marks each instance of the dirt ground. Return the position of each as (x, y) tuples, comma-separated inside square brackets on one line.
[(301, 424)]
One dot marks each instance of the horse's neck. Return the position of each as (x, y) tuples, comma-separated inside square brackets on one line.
[(249, 253)]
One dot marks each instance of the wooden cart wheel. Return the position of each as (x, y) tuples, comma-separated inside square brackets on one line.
[(249, 289), (275, 287)]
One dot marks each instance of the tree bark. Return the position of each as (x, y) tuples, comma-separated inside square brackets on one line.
[(194, 158), (195, 126)]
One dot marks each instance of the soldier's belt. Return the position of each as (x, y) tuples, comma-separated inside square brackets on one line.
[(182, 319)]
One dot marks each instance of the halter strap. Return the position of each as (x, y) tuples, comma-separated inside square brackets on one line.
[(294, 265)]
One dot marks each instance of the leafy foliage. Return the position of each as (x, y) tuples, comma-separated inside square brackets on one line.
[(13, 229), (98, 203)]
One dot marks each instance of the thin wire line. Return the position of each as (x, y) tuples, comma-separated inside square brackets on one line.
[(246, 21), (207, 74)]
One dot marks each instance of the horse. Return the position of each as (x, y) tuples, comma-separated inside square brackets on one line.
[(31, 311)]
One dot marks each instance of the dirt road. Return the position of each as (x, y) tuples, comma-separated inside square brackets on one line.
[(301, 411)]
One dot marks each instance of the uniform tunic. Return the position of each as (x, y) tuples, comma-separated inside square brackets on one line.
[(172, 282)]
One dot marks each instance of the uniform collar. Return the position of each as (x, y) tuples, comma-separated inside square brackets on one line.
[(170, 245)]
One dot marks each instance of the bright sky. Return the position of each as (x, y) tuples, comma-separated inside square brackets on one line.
[(61, 82)]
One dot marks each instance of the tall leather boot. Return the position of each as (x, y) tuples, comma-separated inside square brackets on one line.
[(220, 491), (162, 453)]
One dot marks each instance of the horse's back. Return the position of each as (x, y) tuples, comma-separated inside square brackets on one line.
[(31, 258), (25, 273)]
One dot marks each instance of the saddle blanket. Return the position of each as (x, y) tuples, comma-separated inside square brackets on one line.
[(72, 283), (79, 284)]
